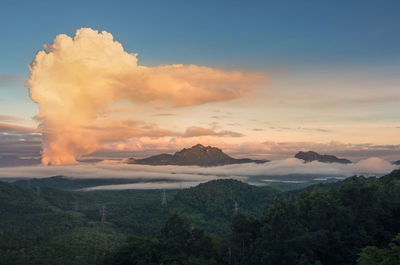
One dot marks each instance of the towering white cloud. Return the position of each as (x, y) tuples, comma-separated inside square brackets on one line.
[(75, 79)]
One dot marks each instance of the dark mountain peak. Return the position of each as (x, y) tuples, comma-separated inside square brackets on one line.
[(396, 162), (314, 156), (201, 148), (307, 156), (196, 155), (197, 146)]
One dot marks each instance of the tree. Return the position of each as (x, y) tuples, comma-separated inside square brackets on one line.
[(372, 255)]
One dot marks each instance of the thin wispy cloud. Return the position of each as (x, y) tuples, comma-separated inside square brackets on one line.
[(16, 129), (313, 129), (9, 118), (196, 131), (164, 114), (11, 80)]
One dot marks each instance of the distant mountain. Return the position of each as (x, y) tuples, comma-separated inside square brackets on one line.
[(212, 204), (313, 156), (197, 155), (217, 198), (396, 162)]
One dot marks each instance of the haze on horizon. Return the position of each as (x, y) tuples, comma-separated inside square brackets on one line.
[(258, 86)]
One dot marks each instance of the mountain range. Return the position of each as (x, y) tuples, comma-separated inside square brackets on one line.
[(314, 156), (197, 155)]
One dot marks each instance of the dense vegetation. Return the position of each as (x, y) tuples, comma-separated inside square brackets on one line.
[(342, 223), (219, 222), (41, 224), (323, 226), (210, 205), (178, 243), (384, 256), (33, 231)]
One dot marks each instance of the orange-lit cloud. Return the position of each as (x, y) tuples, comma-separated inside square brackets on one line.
[(15, 129), (74, 80), (9, 118), (195, 131)]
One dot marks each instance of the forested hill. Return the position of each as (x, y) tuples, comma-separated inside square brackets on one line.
[(351, 222), (220, 198), (65, 227), (211, 205), (34, 231), (256, 225)]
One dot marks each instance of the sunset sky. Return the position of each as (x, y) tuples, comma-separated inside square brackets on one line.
[(260, 79)]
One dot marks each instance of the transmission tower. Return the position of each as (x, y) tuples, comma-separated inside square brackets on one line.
[(229, 256), (38, 190), (164, 199), (103, 214), (236, 207), (76, 205)]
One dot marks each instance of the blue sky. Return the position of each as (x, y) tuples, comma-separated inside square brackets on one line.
[(250, 34), (346, 51), (253, 35)]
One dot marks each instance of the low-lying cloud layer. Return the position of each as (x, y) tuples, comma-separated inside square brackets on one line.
[(74, 80), (192, 175)]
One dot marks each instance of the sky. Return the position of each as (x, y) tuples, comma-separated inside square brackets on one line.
[(259, 79)]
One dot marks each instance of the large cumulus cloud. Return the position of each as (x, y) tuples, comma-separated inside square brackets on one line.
[(75, 79)]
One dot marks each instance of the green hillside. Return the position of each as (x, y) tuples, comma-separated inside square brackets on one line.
[(356, 221), (34, 231), (46, 225), (211, 205), (256, 225)]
